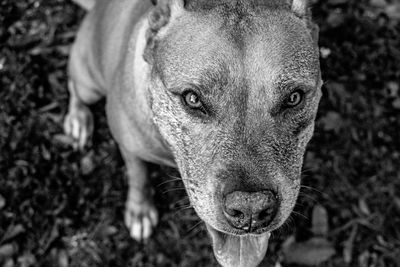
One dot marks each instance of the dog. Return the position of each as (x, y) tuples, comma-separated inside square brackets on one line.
[(226, 91)]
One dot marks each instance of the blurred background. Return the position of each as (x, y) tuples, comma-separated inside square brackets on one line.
[(64, 208)]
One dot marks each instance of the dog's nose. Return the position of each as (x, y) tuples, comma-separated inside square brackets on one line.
[(250, 210)]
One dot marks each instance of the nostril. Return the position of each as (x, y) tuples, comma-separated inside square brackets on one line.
[(265, 215), (250, 209), (234, 213)]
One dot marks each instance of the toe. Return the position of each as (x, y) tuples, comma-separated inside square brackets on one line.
[(78, 124), (75, 128), (128, 219), (153, 215), (83, 138), (147, 227), (136, 229), (140, 220), (67, 125)]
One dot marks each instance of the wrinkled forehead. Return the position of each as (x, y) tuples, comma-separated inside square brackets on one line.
[(264, 49)]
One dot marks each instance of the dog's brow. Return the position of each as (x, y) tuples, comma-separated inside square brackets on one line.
[(214, 78), (288, 83), (285, 87)]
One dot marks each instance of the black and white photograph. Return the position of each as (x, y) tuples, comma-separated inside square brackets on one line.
[(232, 133)]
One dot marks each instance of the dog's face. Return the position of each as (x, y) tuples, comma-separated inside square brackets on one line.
[(235, 90)]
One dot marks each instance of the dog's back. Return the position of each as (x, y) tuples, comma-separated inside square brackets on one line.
[(103, 39)]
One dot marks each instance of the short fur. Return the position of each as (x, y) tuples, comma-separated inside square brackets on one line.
[(243, 58)]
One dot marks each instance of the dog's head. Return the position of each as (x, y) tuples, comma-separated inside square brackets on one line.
[(235, 90)]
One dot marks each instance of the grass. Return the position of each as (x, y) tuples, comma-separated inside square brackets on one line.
[(66, 208)]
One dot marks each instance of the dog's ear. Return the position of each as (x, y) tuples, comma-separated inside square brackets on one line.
[(302, 9), (159, 17)]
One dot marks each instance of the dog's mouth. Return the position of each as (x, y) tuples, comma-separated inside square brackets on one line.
[(238, 250)]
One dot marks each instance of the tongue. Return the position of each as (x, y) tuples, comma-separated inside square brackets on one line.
[(240, 251)]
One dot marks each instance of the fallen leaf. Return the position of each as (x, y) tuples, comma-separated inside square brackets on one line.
[(54, 234), (331, 121), (348, 246), (105, 231), (368, 259), (325, 52), (396, 103), (54, 82), (381, 241), (64, 49), (6, 251), (26, 260), (311, 252), (362, 205), (397, 203), (335, 18), (320, 221), (393, 11), (45, 152), (337, 93), (363, 259), (63, 139), (336, 87), (63, 258), (87, 163), (9, 263), (2, 202), (2, 62), (13, 231), (393, 88), (49, 107), (378, 3), (110, 230)]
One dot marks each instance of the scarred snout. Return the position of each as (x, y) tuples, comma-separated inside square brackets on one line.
[(250, 211)]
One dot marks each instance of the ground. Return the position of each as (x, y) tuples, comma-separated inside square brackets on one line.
[(64, 208)]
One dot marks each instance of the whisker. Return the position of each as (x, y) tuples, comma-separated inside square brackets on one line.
[(180, 178), (311, 189), (182, 209), (185, 207), (174, 189), (309, 169), (193, 227), (181, 201), (173, 176), (169, 181), (301, 215), (290, 224), (195, 232), (298, 205), (285, 229), (303, 195)]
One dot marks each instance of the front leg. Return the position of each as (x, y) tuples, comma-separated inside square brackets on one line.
[(141, 215), (78, 123)]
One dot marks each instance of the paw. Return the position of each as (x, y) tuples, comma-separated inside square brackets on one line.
[(140, 219), (78, 124)]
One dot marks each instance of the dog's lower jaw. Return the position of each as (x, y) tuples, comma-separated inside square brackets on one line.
[(238, 250)]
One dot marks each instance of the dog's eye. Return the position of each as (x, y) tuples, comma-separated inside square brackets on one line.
[(192, 100), (295, 98)]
